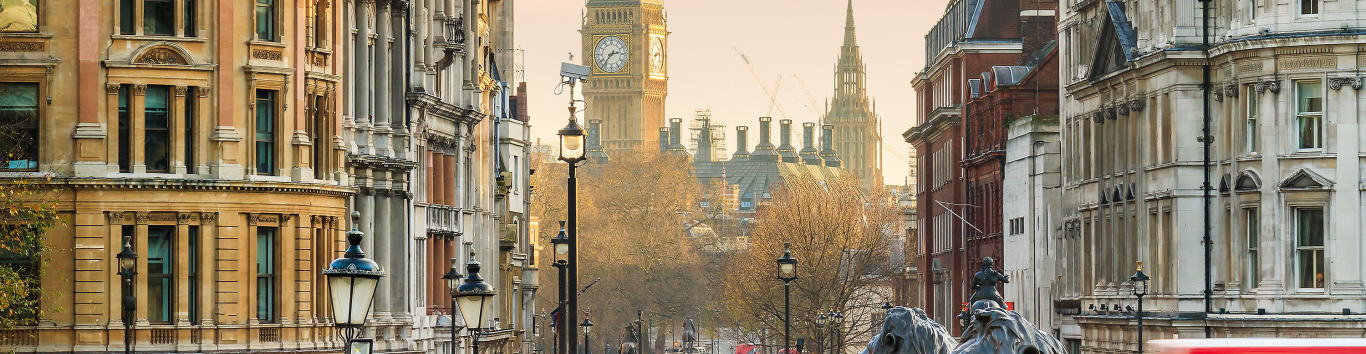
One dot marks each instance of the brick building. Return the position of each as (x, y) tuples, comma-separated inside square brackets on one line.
[(959, 170)]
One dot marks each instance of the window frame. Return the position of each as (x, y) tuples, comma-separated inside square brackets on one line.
[(167, 276), (1252, 238), (1317, 250), (36, 128), (1317, 7), (267, 310), (168, 132), (1301, 116), (269, 105), (132, 18), (1251, 110), (272, 8)]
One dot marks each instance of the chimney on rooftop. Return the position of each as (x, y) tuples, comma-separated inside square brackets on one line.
[(809, 154), (741, 142), (764, 151), (828, 153), (785, 150)]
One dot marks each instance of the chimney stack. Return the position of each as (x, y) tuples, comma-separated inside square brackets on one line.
[(809, 154), (663, 139), (595, 151), (676, 137), (764, 151), (741, 141), (828, 154), (788, 153)]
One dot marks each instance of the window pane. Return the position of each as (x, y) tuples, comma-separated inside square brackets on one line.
[(160, 244), (19, 126), (188, 126), (1311, 268), (1310, 227), (190, 30), (193, 268), (156, 119), (125, 159), (1309, 132), (265, 132), (1310, 96), (158, 17), (265, 20), (1309, 7), (265, 271), (19, 16)]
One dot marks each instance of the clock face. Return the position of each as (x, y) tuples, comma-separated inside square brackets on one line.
[(610, 54), (657, 55)]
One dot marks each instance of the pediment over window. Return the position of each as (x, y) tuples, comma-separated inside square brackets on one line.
[(161, 53), (1306, 179), (1118, 194), (1118, 42), (1223, 184), (1248, 181)]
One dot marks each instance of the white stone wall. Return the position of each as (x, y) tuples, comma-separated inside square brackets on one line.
[(1147, 138), (1031, 205)]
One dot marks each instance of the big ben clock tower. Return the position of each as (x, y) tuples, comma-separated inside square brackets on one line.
[(625, 42)]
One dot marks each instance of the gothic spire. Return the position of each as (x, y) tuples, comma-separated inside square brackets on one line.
[(849, 40)]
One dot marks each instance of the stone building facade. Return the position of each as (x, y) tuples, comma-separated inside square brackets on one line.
[(857, 130), (624, 44), (1284, 170), (208, 133), (958, 194)]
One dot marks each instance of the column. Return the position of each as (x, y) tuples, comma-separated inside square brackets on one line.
[(1345, 245), (398, 247), (382, 215), (182, 255), (362, 81), (140, 282), (207, 269), (177, 126), (111, 146), (399, 66), (383, 113), (137, 136), (449, 182)]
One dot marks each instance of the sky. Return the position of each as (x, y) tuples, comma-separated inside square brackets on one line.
[(798, 39)]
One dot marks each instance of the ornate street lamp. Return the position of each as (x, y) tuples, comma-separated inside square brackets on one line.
[(587, 327), (472, 298), (571, 151), (353, 279), (561, 242), (787, 272), (1140, 282), (453, 279), (821, 335), (838, 318), (128, 261)]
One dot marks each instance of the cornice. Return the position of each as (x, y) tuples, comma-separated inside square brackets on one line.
[(940, 119), (203, 184)]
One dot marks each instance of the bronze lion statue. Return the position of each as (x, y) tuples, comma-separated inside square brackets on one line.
[(993, 330), (910, 331)]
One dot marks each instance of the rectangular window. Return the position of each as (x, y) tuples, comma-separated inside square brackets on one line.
[(126, 17), (265, 20), (23, 298), (1309, 7), (19, 16), (157, 129), (1309, 108), (318, 128), (125, 158), (19, 127), (1309, 229), (265, 132), (190, 10), (158, 17), (265, 274), (193, 270), (1250, 126), (160, 273), (1254, 270), (189, 129)]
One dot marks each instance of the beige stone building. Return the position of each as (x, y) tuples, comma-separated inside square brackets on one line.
[(1281, 82), (206, 131)]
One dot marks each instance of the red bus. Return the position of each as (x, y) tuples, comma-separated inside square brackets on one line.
[(1260, 346)]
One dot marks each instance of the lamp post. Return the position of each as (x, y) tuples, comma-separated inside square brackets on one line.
[(787, 272), (352, 280), (587, 327), (453, 279), (472, 298), (561, 242), (571, 152), (821, 333), (1140, 282), (128, 261), (838, 317)]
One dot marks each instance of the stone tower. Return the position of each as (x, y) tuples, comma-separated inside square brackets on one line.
[(857, 138), (624, 42)]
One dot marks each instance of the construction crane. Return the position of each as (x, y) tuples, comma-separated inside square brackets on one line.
[(773, 98), (815, 104), (771, 92)]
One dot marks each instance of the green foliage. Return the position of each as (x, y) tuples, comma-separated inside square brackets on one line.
[(24, 255)]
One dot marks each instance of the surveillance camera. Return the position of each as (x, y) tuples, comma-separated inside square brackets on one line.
[(573, 71)]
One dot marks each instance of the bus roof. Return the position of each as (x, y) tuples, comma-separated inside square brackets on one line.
[(1258, 342)]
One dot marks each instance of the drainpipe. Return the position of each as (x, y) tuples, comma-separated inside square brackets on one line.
[(1207, 140)]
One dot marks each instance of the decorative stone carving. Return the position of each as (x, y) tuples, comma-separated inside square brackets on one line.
[(1110, 113), (267, 54), (203, 91), (139, 90), (284, 218), (180, 91), (207, 218), (161, 56), (111, 89), (21, 46), (1325, 62), (313, 220), (1137, 104), (1122, 109), (1218, 94), (1335, 83), (184, 218), (142, 217), (115, 217), (1231, 89), (253, 219)]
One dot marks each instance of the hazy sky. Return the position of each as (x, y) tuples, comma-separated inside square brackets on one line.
[(781, 37)]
